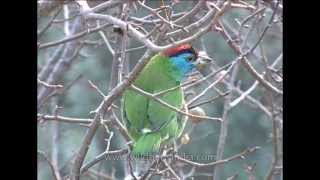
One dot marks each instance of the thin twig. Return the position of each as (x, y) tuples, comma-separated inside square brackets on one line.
[(248, 18), (170, 169), (160, 93), (212, 74), (149, 172), (49, 85), (190, 13), (275, 126), (106, 42), (135, 48), (247, 64), (171, 24), (124, 43), (73, 36), (194, 26), (55, 144), (47, 69), (121, 128), (151, 96), (103, 156), (255, 103), (210, 100), (102, 175), (54, 171), (225, 122), (42, 117), (233, 177), (243, 95), (107, 5), (97, 89), (199, 165), (64, 19), (141, 37), (212, 84), (254, 85), (45, 28), (68, 56), (131, 169)]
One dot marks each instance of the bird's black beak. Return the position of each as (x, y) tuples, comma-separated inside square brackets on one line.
[(203, 60)]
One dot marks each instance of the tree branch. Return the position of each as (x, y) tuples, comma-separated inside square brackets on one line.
[(246, 62), (54, 170), (73, 36), (42, 117), (141, 37), (160, 101), (104, 105), (101, 157), (237, 156)]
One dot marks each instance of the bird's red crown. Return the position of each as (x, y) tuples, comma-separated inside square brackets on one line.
[(180, 49)]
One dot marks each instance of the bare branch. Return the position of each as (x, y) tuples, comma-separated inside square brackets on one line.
[(101, 157), (237, 156), (55, 172), (160, 93), (42, 117), (170, 169), (47, 69), (242, 23), (190, 13), (49, 85), (171, 24), (212, 84), (60, 67), (210, 100), (73, 36), (55, 144), (247, 64), (97, 89), (243, 95), (141, 37), (59, 91), (225, 122), (151, 96), (107, 5), (104, 105), (106, 42), (40, 33)]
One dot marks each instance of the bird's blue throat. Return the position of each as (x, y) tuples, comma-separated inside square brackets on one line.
[(182, 65)]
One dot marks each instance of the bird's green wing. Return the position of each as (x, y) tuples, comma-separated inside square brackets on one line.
[(135, 108), (162, 118)]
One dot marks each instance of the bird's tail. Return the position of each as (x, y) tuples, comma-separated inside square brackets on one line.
[(147, 144)]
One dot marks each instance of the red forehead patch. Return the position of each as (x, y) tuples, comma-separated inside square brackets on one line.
[(179, 49)]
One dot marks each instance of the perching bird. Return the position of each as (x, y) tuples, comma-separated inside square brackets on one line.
[(149, 123)]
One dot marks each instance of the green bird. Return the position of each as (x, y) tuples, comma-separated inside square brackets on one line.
[(149, 123)]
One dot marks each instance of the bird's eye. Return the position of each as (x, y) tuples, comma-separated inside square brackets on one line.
[(190, 58)]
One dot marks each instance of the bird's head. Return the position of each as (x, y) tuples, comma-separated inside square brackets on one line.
[(185, 58)]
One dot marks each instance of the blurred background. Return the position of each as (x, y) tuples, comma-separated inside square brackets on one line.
[(249, 125)]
